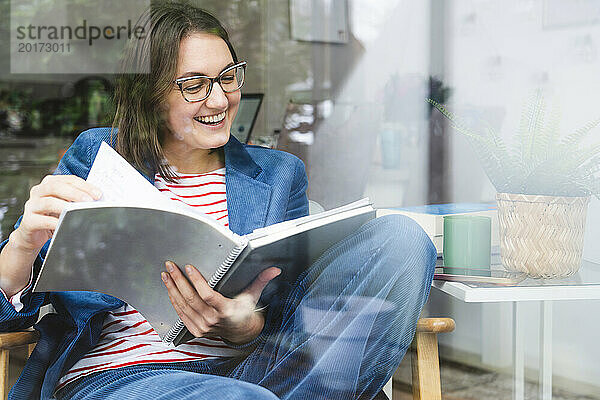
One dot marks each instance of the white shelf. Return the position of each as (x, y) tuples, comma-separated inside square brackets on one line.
[(585, 285)]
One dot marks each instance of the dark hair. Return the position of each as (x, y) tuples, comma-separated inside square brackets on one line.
[(147, 72)]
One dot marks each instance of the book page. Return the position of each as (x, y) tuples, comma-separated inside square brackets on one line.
[(123, 186), (119, 181), (281, 226)]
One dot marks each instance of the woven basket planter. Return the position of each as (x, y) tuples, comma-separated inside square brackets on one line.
[(541, 235)]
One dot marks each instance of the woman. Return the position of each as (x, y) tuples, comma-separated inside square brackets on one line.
[(173, 125)]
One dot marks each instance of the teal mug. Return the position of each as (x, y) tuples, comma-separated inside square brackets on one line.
[(467, 243)]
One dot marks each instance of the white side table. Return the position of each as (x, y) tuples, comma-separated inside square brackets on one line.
[(585, 285)]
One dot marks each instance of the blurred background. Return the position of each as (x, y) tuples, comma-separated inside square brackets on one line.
[(349, 98)]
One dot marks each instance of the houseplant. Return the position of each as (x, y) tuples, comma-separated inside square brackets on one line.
[(544, 183)]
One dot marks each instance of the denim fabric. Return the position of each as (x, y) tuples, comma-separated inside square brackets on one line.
[(181, 381), (340, 334), (264, 186)]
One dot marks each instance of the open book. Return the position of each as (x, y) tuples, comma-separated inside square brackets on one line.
[(120, 247)]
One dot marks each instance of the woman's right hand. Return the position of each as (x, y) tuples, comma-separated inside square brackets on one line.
[(46, 201)]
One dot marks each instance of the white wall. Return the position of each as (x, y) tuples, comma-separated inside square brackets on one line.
[(498, 53)]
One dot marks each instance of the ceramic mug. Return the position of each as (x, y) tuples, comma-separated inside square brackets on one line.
[(467, 243)]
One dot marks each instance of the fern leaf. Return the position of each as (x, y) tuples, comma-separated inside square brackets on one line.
[(534, 127), (539, 164), (527, 126), (576, 137), (591, 168), (490, 152), (572, 162), (547, 140), (526, 114), (538, 125)]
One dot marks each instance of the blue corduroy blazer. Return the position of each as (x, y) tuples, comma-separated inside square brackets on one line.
[(263, 187)]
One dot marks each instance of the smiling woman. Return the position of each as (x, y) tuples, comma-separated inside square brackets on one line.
[(153, 117), (196, 127), (173, 124)]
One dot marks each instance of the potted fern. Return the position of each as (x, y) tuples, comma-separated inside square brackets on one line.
[(544, 184)]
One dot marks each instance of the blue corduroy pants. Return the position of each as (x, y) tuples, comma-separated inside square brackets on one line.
[(340, 332)]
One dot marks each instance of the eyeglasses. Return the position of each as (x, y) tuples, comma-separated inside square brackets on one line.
[(198, 88)]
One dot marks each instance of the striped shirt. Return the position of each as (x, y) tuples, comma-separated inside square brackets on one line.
[(204, 192), (127, 338)]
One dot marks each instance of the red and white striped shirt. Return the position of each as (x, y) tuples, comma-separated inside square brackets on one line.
[(204, 192), (127, 338)]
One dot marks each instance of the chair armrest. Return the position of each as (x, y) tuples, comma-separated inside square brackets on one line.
[(15, 339), (435, 325)]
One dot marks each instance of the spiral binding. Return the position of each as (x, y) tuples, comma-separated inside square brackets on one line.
[(216, 277), (174, 331)]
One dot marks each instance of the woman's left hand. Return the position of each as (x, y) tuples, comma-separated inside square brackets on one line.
[(206, 312)]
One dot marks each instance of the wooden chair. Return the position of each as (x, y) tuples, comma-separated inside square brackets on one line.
[(8, 342), (426, 383), (425, 363)]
